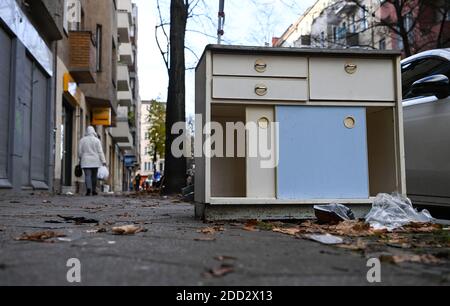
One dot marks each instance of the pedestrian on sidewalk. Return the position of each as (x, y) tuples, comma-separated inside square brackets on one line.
[(91, 156)]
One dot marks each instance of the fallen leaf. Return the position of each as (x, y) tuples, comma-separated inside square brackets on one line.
[(420, 228), (225, 258), (127, 230), (359, 245), (40, 236), (424, 259), (211, 230), (221, 271), (287, 231), (250, 228), (205, 239)]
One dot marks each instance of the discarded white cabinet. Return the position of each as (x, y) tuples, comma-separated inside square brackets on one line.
[(331, 119)]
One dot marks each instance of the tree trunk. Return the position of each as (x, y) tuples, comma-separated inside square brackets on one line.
[(175, 168)]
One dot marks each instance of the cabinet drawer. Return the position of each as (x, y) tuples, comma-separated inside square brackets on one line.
[(260, 66), (352, 79), (245, 88)]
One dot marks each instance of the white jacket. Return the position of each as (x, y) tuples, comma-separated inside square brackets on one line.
[(90, 150)]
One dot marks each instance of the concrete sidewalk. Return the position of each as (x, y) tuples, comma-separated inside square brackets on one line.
[(172, 251)]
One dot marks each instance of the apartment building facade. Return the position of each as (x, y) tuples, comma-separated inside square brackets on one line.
[(94, 88), (350, 23), (65, 65)]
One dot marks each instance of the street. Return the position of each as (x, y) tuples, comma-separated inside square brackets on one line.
[(175, 249)]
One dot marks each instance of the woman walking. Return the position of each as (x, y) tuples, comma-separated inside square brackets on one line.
[(91, 159)]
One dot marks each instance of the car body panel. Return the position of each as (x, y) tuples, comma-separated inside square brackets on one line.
[(427, 141)]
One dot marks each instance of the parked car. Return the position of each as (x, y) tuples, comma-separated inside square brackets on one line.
[(426, 105)]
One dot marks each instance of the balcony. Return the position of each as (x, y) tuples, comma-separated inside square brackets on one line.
[(346, 8), (125, 5), (352, 39), (126, 146), (123, 78), (82, 64), (121, 133), (124, 26), (125, 98), (126, 54)]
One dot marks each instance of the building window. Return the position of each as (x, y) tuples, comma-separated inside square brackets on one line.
[(364, 18), (383, 44), (98, 40)]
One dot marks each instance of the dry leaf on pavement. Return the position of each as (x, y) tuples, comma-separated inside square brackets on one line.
[(211, 230), (424, 259), (127, 230), (225, 258), (40, 236), (287, 231), (220, 271), (205, 239)]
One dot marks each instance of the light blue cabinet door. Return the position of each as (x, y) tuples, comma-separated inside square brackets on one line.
[(319, 156)]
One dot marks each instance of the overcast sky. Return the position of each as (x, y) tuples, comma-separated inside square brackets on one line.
[(248, 22)]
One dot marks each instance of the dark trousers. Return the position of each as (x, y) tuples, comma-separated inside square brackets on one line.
[(90, 175)]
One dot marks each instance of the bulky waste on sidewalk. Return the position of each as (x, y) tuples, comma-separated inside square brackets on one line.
[(391, 217)]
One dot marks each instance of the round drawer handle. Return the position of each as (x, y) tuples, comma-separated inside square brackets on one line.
[(351, 68), (350, 122), (263, 123), (261, 90), (260, 66)]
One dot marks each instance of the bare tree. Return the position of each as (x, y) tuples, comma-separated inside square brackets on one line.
[(173, 48)]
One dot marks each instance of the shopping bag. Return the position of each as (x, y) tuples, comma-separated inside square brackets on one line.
[(103, 173)]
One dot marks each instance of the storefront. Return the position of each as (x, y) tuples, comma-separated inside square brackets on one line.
[(26, 121)]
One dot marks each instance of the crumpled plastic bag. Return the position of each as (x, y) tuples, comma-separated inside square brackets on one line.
[(103, 173), (333, 213), (394, 211)]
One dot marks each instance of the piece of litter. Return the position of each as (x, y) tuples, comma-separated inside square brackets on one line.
[(111, 242), (65, 239), (325, 239), (79, 220), (95, 231), (394, 211), (333, 213)]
